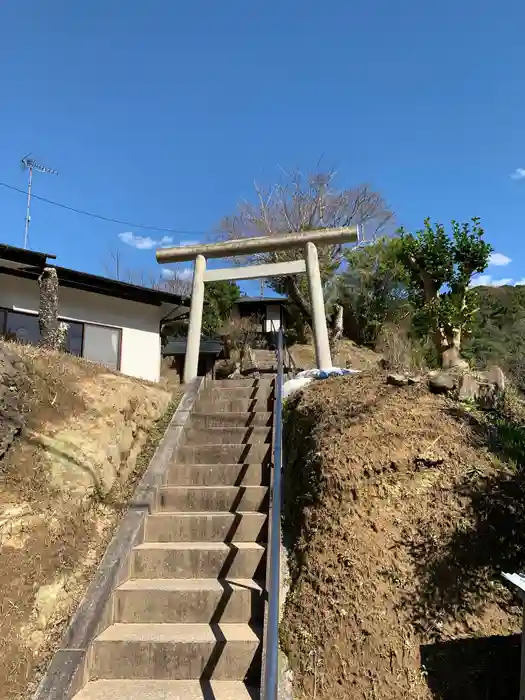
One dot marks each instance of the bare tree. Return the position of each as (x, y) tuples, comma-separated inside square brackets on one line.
[(116, 268), (303, 202)]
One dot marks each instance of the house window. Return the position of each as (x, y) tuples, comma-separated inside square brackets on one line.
[(273, 318), (102, 345), (22, 327), (96, 343), (74, 338)]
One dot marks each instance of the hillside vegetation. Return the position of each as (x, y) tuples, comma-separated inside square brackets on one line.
[(498, 332), (74, 439)]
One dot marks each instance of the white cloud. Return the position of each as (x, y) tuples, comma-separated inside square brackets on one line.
[(499, 259), (481, 281), (183, 273), (489, 281), (518, 174), (520, 283), (143, 242)]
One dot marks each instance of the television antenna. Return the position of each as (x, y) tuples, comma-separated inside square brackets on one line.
[(30, 164)]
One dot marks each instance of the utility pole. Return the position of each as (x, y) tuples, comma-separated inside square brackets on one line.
[(30, 164)]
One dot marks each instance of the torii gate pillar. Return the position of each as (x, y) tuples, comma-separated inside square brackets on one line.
[(191, 361), (322, 344)]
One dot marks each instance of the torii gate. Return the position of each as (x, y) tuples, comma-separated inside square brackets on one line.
[(249, 246)]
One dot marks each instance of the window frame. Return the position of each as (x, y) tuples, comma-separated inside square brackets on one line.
[(3, 329), (110, 328)]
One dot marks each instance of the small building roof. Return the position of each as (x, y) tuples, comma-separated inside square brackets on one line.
[(262, 300), (177, 346)]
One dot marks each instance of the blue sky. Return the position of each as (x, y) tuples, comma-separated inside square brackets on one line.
[(164, 113)]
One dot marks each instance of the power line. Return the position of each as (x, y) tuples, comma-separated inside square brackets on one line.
[(106, 218)]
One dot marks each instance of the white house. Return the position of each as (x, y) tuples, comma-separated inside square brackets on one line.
[(110, 322)]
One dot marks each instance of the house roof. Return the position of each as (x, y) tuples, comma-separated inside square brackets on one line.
[(262, 300), (177, 346), (29, 264), (23, 256)]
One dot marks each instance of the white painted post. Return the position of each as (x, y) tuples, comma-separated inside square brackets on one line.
[(322, 345), (191, 361)]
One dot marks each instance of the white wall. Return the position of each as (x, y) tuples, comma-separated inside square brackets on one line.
[(273, 317), (140, 353)]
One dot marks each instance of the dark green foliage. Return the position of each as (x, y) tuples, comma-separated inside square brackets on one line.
[(372, 289), (498, 331), (439, 269), (219, 298)]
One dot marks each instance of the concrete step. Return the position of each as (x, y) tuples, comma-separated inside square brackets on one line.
[(189, 600), (199, 560), (212, 498), (226, 435), (246, 392), (218, 475), (175, 652), (166, 690), (206, 527), (263, 382), (225, 405), (230, 420), (223, 454)]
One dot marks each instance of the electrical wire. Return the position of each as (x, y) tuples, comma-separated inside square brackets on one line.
[(105, 218)]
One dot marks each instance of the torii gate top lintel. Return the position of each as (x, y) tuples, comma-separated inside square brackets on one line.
[(258, 244), (249, 246)]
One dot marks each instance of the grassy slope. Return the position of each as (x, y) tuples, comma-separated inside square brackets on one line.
[(63, 485)]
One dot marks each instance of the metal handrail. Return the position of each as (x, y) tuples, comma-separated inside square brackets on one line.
[(271, 660)]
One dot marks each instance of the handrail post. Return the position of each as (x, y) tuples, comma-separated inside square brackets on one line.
[(271, 668)]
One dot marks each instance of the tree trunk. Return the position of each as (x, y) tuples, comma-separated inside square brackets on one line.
[(294, 294), (50, 336), (448, 344), (335, 329)]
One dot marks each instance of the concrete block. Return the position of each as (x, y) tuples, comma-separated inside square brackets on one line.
[(199, 560), (206, 527), (218, 475), (175, 651), (262, 382), (230, 420), (223, 454), (189, 600), (225, 405), (247, 392), (226, 435), (166, 690), (212, 498)]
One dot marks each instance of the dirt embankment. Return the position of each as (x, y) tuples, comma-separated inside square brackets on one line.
[(64, 481), (401, 511), (348, 355)]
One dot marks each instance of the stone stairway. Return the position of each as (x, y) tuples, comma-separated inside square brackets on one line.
[(265, 360), (187, 624)]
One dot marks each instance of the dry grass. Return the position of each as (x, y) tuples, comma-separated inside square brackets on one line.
[(349, 355), (400, 352), (63, 486), (401, 511)]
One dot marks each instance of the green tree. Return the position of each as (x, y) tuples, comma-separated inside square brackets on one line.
[(439, 269), (219, 298), (372, 288)]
